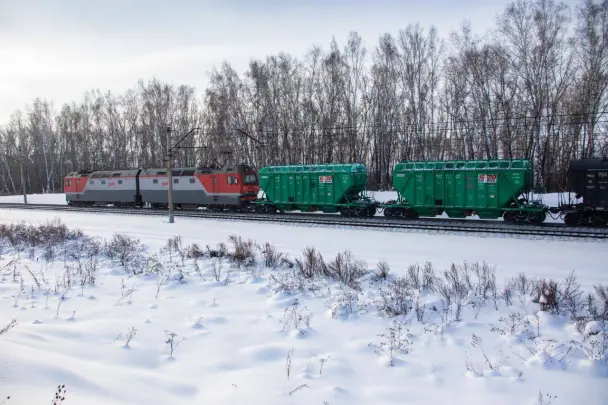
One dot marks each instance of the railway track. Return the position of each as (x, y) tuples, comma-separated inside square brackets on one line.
[(549, 230)]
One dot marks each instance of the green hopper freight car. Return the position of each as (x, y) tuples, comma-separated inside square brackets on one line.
[(328, 188), (488, 188)]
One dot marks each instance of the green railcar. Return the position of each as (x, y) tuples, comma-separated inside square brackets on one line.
[(488, 188), (328, 188)]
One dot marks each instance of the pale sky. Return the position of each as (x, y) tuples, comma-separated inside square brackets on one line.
[(58, 49)]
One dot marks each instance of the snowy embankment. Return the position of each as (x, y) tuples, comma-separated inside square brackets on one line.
[(160, 321)]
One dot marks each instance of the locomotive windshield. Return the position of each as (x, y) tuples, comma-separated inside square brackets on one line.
[(250, 179)]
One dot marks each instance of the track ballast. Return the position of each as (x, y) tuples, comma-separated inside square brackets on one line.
[(549, 230)]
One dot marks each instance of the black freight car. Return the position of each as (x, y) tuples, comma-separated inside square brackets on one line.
[(588, 179)]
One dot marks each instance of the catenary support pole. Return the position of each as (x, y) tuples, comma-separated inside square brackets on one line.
[(23, 183), (170, 175)]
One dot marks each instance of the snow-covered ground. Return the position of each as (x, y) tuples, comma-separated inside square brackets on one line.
[(247, 343), (51, 198)]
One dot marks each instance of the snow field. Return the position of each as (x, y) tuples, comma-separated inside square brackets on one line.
[(537, 258), (246, 341)]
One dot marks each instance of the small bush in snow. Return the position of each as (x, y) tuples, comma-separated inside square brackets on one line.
[(595, 347), (453, 291), (288, 363), (546, 399), (194, 252), (396, 340), (311, 264), (548, 294), (512, 324), (522, 284), (601, 302), (492, 365), (346, 269), (174, 247), (292, 282), (272, 258), (129, 336), (382, 271), (243, 253), (47, 236), (9, 326), (220, 251), (59, 395), (296, 319), (395, 297), (220, 273), (344, 305), (128, 251), (172, 341)]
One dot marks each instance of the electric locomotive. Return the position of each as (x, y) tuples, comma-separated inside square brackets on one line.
[(230, 188)]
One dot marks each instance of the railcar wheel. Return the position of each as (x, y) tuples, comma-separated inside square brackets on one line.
[(599, 221), (571, 219), (410, 214), (538, 218), (509, 217)]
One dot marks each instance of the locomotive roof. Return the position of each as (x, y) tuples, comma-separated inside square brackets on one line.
[(589, 164)]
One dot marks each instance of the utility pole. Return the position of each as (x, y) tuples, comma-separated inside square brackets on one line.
[(23, 183), (170, 174), (170, 148)]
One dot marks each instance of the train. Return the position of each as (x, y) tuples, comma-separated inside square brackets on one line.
[(489, 189)]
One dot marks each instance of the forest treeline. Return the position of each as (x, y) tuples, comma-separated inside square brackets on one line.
[(536, 87)]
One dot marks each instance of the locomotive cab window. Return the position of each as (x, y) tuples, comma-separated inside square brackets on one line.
[(250, 179), (232, 180), (175, 181), (68, 183)]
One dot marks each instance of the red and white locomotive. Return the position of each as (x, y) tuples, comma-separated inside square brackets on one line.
[(230, 188)]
